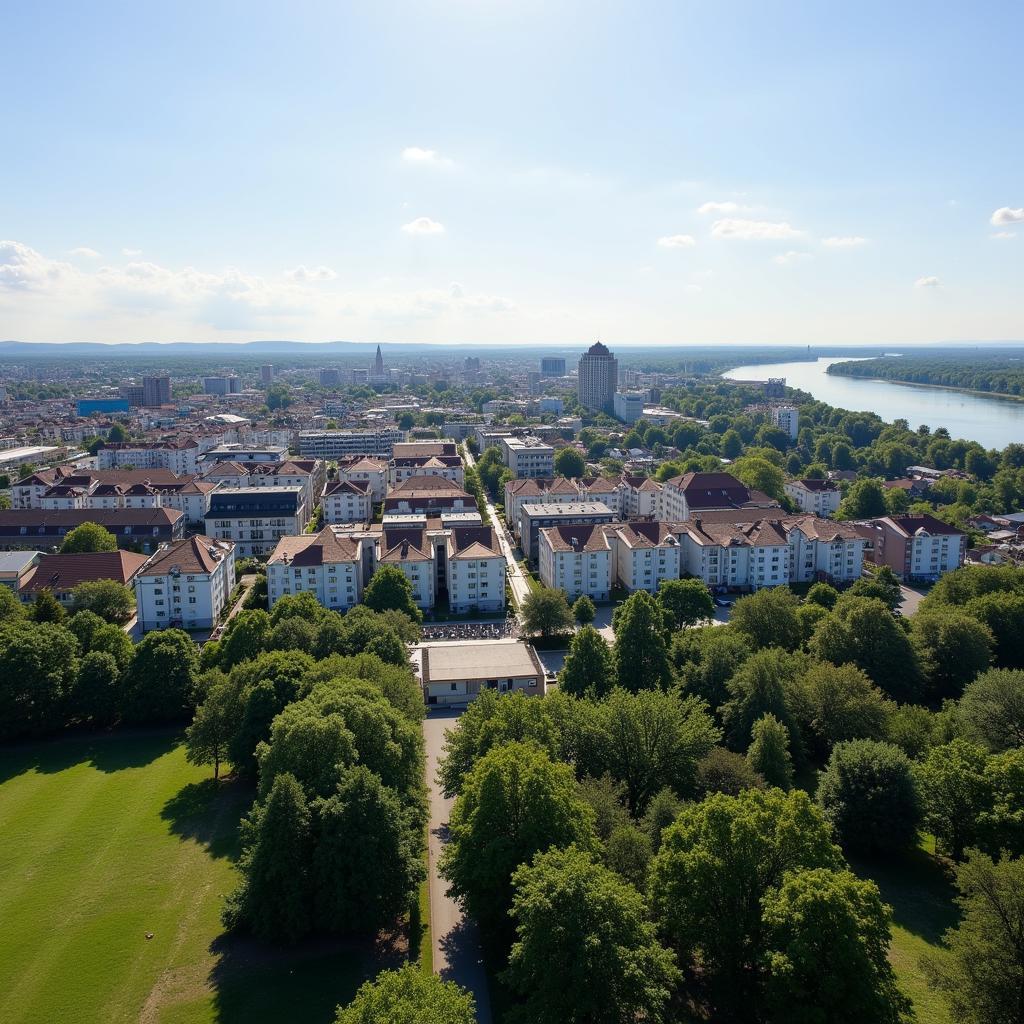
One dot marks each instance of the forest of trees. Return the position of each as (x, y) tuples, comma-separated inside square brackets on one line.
[(1000, 373)]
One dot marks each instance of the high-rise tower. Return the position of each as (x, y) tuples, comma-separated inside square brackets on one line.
[(598, 379), (378, 364)]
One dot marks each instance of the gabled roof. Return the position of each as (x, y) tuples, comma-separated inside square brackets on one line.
[(361, 487), (586, 538), (192, 555), (404, 545), (63, 572), (312, 549), (474, 542), (644, 534), (815, 485)]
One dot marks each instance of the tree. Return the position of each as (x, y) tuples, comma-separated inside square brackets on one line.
[(955, 791), (824, 595), (88, 537), (408, 996), (159, 683), (952, 647), (95, 696), (640, 655), (215, 722), (389, 589), (11, 609), (868, 793), (46, 608), (38, 667), (722, 771), (1003, 613), (583, 610), (628, 853), (569, 463), (1001, 827), (588, 669), (110, 600), (862, 631), (982, 974), (768, 619), (652, 739), (514, 803), (882, 585), (245, 638), (766, 683), (864, 500), (687, 601), (273, 898), (717, 864), (706, 659), (547, 612), (366, 863), (760, 475), (279, 396), (992, 709), (840, 703), (768, 754), (827, 935), (568, 909)]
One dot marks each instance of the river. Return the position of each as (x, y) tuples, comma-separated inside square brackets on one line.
[(993, 422)]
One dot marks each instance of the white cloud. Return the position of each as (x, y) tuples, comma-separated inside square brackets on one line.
[(24, 269), (1007, 215), (927, 282), (1004, 234), (423, 226), (131, 253), (677, 242), (419, 155), (724, 207), (455, 290), (753, 230), (844, 241), (304, 274), (85, 253), (793, 256)]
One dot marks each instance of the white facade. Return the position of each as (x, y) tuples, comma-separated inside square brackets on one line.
[(815, 497), (324, 565), (345, 501), (528, 457), (629, 406), (371, 471), (787, 418), (185, 584), (180, 458), (585, 568), (644, 554), (335, 444), (476, 579)]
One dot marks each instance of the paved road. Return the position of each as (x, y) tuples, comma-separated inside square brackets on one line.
[(456, 940), (911, 598)]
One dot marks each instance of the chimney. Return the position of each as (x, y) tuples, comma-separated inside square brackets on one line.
[(697, 523)]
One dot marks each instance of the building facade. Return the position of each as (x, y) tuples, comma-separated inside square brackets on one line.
[(185, 584), (815, 497), (598, 379), (916, 547), (256, 518)]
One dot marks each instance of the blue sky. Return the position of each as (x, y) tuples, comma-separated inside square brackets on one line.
[(494, 172)]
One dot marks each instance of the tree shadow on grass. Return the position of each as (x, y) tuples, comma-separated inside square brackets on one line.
[(109, 751), (208, 812), (255, 982), (920, 890)]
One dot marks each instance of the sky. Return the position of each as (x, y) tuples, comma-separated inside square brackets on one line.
[(493, 172)]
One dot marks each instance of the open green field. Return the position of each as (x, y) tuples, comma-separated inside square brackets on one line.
[(104, 839)]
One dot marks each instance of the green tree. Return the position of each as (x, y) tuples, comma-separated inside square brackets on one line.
[(952, 648), (768, 619), (95, 696), (389, 589), (568, 909), (11, 609), (722, 771), (862, 631), (827, 935), (766, 683), (215, 722), (279, 396), (652, 739), (110, 600), (245, 638), (408, 996), (1003, 614), (547, 612), (840, 703), (515, 802), (1001, 828), (882, 585), (955, 792), (569, 463), (768, 753), (823, 594), (628, 853), (640, 656), (273, 898), (992, 709), (869, 794), (706, 659), (46, 608), (366, 864), (687, 601), (864, 500), (717, 864), (583, 610), (88, 537), (159, 683), (38, 668), (588, 669), (982, 973), (760, 475)]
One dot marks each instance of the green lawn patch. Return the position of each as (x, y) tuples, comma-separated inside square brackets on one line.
[(105, 839)]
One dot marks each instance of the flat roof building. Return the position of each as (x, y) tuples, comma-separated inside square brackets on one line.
[(456, 673)]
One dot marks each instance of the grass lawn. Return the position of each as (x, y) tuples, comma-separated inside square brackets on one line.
[(104, 839), (921, 896)]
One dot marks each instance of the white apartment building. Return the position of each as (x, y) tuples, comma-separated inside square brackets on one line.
[(309, 474), (325, 564), (577, 560), (337, 444), (787, 418), (629, 406), (373, 472), (691, 494), (644, 554), (528, 456), (639, 497), (180, 457), (426, 458), (412, 552), (185, 584), (475, 571), (916, 547), (815, 497), (535, 517), (347, 501)]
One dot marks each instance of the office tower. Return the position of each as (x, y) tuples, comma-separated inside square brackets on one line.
[(267, 373), (598, 379), (552, 366), (226, 385), (156, 390), (330, 378)]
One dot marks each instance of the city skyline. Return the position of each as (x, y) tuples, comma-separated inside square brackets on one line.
[(677, 175)]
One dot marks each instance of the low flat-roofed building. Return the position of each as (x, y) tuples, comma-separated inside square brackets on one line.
[(456, 673), (16, 566)]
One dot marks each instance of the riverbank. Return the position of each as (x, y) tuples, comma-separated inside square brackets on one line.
[(1001, 395)]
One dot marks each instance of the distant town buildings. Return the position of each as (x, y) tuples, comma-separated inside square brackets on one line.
[(338, 444), (552, 366), (227, 385), (598, 379), (156, 390), (267, 374), (628, 406)]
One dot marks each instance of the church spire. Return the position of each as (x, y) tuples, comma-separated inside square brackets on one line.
[(378, 364)]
